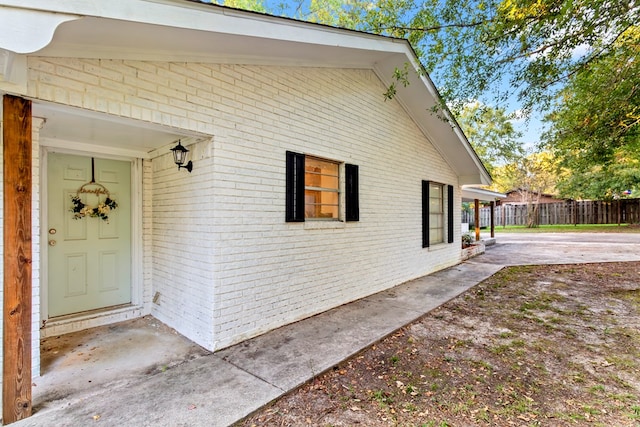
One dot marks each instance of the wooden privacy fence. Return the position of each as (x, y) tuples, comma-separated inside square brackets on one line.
[(624, 211)]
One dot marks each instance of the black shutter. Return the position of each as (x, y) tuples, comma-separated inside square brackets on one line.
[(295, 187), (352, 201), (450, 207), (425, 214)]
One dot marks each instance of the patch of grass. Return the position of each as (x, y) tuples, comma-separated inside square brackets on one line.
[(436, 424), (533, 305), (623, 363), (409, 407), (382, 397), (635, 412), (621, 397), (580, 228), (482, 415), (632, 295), (500, 349)]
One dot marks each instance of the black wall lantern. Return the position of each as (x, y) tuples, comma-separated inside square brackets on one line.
[(180, 155)]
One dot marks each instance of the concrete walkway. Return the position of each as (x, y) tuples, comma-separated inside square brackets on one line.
[(221, 388)]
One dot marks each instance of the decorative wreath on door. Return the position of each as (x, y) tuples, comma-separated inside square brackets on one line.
[(103, 207)]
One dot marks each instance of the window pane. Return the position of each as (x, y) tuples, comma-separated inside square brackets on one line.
[(321, 204), (435, 221), (329, 212), (322, 182), (436, 213), (312, 179), (435, 205), (321, 166)]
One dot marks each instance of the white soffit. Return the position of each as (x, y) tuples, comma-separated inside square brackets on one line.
[(64, 125), (482, 194)]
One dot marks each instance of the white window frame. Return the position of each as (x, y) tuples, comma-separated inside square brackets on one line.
[(440, 214)]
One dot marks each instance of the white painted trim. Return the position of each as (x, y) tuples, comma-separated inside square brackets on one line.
[(82, 148), (44, 236), (67, 325), (92, 319), (137, 250)]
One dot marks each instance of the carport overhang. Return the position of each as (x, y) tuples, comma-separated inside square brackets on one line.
[(471, 194), (477, 195)]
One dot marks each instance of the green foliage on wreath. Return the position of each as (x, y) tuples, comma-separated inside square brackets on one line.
[(102, 211)]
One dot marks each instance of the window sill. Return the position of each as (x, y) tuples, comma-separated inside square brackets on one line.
[(438, 246), (323, 225)]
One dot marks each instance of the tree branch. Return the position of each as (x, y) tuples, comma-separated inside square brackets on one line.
[(437, 27)]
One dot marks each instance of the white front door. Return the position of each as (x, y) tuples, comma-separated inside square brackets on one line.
[(89, 252)]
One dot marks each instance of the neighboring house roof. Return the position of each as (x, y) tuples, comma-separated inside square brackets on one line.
[(180, 30), (516, 197), (470, 193)]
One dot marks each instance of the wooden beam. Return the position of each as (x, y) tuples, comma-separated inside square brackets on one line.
[(16, 369), (476, 209), (493, 219)]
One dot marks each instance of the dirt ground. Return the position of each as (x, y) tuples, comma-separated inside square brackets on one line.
[(531, 346)]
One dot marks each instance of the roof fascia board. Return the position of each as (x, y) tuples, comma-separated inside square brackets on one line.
[(206, 17), (481, 194), (172, 56)]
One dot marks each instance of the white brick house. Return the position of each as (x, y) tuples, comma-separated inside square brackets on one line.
[(308, 189)]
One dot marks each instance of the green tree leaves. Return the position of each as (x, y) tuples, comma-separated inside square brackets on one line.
[(491, 133), (595, 126)]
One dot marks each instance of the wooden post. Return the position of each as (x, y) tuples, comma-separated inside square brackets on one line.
[(476, 208), (492, 206), (16, 372)]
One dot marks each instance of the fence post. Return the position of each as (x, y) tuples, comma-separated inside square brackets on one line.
[(493, 225)]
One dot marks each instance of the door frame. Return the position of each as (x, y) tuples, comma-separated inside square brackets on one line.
[(75, 322)]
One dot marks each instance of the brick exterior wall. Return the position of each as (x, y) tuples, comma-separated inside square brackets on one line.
[(225, 264)]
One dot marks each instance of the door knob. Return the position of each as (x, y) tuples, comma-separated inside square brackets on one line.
[(52, 231), (52, 242)]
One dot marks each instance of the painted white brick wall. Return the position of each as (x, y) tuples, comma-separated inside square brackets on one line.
[(183, 247), (269, 272), (224, 262)]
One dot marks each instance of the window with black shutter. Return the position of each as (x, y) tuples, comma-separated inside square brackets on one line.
[(313, 189), (434, 205)]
